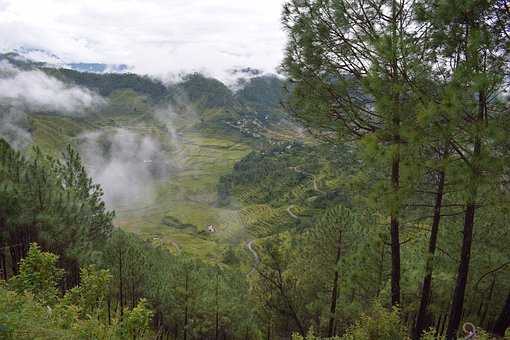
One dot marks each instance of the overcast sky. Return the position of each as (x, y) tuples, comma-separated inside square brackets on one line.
[(153, 36)]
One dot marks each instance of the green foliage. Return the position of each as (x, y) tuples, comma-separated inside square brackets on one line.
[(277, 175), (311, 336), (90, 295), (106, 84), (38, 275), (379, 323), (52, 202), (80, 314), (22, 317), (137, 320), (480, 335), (403, 91), (126, 102), (205, 92), (264, 94)]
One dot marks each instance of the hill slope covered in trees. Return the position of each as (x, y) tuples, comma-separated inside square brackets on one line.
[(216, 216)]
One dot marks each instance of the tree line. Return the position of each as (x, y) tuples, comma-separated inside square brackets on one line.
[(59, 250), (421, 86)]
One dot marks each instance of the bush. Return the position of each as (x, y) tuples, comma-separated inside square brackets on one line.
[(90, 295), (137, 321), (38, 275), (378, 324), (480, 335)]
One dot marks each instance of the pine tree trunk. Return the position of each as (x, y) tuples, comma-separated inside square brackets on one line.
[(216, 334), (14, 259), (133, 297), (294, 315), (443, 325), (109, 309), (269, 329), (487, 302), (503, 321), (469, 221), (395, 169), (462, 275), (121, 286), (395, 237), (3, 263), (421, 320), (334, 292), (186, 307)]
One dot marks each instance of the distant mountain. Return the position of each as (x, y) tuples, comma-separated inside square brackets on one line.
[(262, 93), (38, 55), (98, 68), (50, 59), (245, 72)]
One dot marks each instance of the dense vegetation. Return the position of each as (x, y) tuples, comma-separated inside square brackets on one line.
[(420, 85), (55, 204), (106, 84), (391, 223), (262, 93), (206, 92), (319, 222)]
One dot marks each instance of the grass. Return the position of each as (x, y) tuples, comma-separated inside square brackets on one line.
[(53, 133)]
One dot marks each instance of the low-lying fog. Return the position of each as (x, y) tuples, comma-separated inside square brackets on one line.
[(127, 165), (23, 91)]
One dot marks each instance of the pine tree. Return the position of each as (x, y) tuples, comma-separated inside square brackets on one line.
[(327, 240), (352, 64), (470, 43)]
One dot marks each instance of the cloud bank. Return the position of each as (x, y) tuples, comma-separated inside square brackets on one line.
[(28, 91), (35, 91), (153, 36)]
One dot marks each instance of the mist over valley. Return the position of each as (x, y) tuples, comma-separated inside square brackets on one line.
[(279, 169)]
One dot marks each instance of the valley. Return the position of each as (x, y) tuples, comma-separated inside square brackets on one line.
[(197, 131), (360, 193), (182, 205), (186, 203)]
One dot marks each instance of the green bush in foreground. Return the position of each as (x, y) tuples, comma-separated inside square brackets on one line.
[(378, 324), (32, 308)]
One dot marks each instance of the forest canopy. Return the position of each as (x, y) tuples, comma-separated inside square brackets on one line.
[(361, 194)]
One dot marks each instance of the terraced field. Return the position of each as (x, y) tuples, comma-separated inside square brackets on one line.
[(185, 204), (52, 133)]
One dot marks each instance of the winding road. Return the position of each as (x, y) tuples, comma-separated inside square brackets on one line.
[(289, 211), (256, 258), (315, 188), (314, 178)]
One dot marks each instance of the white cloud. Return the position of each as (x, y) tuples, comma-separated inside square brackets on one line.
[(154, 36), (36, 91), (125, 164), (23, 91), (13, 128)]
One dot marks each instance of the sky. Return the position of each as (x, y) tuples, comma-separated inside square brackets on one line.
[(158, 37)]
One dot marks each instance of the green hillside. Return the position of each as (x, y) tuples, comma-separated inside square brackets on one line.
[(362, 193), (215, 129)]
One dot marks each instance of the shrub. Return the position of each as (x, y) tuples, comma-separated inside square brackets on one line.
[(378, 324)]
